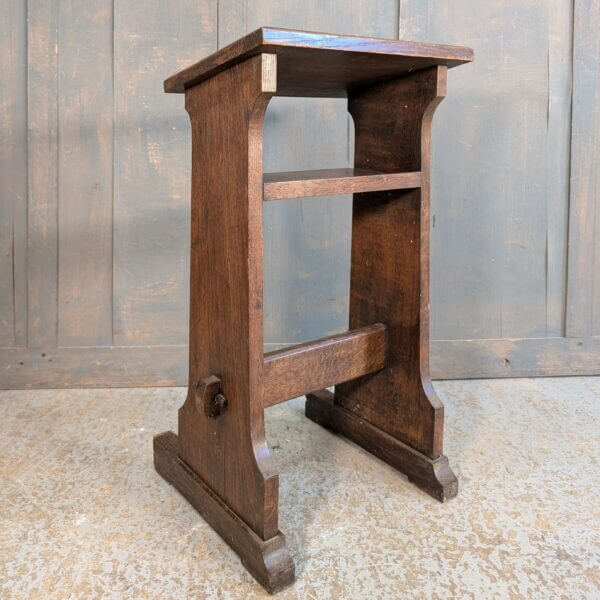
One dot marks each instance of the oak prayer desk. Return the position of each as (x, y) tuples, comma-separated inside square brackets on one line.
[(383, 400)]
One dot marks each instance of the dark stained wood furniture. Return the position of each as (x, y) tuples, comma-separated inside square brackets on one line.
[(384, 399)]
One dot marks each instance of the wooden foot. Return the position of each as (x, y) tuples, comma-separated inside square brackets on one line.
[(433, 476), (269, 561)]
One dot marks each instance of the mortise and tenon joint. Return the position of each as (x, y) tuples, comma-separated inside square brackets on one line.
[(384, 399)]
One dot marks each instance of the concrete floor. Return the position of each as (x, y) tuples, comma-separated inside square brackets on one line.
[(84, 515)]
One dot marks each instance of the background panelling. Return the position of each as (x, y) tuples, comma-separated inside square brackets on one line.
[(42, 173), (94, 186), (151, 167), (13, 173), (502, 188), (85, 172), (501, 168), (583, 309)]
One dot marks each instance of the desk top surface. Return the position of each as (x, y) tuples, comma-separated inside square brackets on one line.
[(323, 64)]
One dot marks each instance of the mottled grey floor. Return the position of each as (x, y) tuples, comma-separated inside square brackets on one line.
[(84, 515)]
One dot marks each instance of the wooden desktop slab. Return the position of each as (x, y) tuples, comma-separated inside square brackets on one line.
[(322, 64)]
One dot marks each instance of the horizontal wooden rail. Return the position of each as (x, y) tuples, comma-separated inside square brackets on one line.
[(297, 370), (326, 182)]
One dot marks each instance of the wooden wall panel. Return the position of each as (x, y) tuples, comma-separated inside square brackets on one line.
[(85, 173), (583, 308), (13, 172), (94, 187), (42, 198), (530, 357), (558, 156), (152, 166)]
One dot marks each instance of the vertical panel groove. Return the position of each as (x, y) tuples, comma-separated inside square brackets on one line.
[(570, 168), (559, 93), (217, 24), (23, 272), (112, 188), (57, 171), (25, 334)]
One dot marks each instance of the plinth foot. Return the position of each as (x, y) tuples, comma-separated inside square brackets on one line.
[(269, 561), (433, 476)]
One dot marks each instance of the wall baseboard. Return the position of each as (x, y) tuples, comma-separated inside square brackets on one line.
[(93, 366), (140, 366), (527, 357)]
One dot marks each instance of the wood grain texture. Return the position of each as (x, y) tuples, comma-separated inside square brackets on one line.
[(308, 367), (269, 561), (13, 173), (583, 312), (42, 181), (151, 167), (230, 454), (85, 173), (389, 279), (324, 182), (323, 64)]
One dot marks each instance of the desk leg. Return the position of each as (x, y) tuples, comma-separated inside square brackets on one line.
[(220, 460), (395, 412)]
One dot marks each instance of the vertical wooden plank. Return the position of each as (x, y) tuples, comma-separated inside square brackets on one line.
[(13, 171), (307, 241), (413, 20), (230, 455), (85, 163), (390, 259), (42, 52), (152, 166), (500, 159), (558, 153), (583, 313), (596, 275)]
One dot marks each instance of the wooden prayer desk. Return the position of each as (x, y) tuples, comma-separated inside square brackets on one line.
[(384, 400)]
